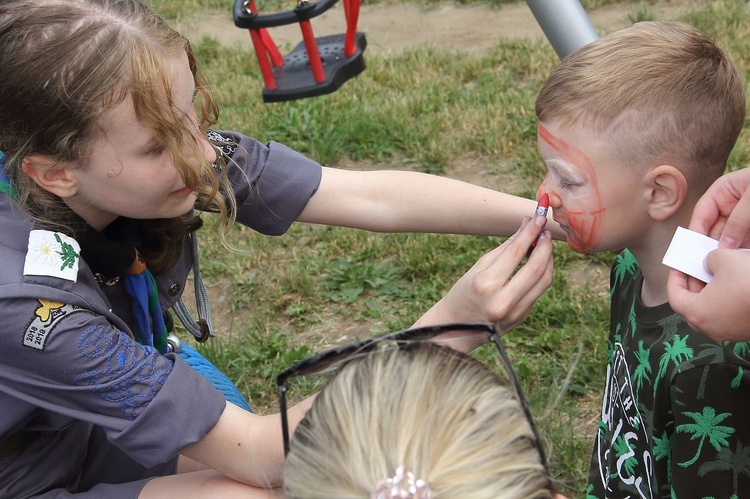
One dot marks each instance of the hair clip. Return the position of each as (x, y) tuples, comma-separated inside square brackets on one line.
[(401, 486)]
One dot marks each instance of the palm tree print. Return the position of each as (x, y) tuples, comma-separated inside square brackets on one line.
[(632, 320), (616, 339), (623, 448), (670, 325), (737, 462), (625, 264), (663, 450), (706, 426), (643, 370), (741, 349), (675, 353)]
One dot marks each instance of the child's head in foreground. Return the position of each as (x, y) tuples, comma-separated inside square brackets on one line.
[(633, 128), (442, 415)]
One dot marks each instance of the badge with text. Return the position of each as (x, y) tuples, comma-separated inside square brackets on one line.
[(46, 316)]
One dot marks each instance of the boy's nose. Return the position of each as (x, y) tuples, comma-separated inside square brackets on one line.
[(554, 199)]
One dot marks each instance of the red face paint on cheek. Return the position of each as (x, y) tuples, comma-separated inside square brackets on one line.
[(584, 231), (584, 225)]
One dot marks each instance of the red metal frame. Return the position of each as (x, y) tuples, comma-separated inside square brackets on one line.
[(265, 47)]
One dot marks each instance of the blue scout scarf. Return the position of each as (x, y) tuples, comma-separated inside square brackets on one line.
[(112, 256)]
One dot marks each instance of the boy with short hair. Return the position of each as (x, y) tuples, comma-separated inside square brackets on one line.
[(634, 127)]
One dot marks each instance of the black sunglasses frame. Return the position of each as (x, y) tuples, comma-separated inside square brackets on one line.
[(338, 356)]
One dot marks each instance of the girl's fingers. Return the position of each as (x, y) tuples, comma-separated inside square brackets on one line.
[(515, 299)]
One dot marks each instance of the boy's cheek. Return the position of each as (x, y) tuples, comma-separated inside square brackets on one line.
[(578, 242)]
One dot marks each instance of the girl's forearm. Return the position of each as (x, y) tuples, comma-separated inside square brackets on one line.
[(402, 201)]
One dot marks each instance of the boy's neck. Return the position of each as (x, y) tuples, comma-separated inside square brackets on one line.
[(654, 290), (650, 252)]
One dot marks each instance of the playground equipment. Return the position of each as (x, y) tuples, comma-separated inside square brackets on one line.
[(565, 24), (318, 66)]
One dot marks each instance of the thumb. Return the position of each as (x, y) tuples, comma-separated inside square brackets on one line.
[(738, 224), (719, 259)]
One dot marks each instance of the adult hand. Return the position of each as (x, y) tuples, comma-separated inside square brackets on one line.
[(492, 290), (723, 212), (719, 308)]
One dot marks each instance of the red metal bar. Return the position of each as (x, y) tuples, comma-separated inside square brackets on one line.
[(351, 11), (316, 64), (264, 47), (265, 66), (273, 51)]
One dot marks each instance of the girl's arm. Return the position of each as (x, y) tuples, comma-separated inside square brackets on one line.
[(403, 201), (247, 447)]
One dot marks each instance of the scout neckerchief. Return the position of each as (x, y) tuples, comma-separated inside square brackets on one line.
[(111, 255)]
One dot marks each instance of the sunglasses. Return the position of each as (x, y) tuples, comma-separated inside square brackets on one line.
[(336, 357)]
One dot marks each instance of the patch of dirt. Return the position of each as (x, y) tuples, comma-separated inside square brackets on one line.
[(394, 27)]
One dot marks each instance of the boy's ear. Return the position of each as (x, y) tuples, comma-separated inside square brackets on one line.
[(668, 191), (50, 176)]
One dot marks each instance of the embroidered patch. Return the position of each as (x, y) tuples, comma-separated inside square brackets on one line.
[(129, 374), (52, 254), (46, 317)]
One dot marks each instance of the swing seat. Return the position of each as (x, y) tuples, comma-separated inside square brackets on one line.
[(294, 80), (316, 66)]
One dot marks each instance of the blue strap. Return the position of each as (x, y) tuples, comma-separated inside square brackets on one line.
[(216, 377)]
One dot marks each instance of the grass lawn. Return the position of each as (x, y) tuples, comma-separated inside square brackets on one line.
[(439, 111)]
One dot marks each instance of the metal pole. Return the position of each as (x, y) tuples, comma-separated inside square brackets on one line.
[(565, 24)]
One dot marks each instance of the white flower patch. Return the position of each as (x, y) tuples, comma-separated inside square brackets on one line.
[(52, 254)]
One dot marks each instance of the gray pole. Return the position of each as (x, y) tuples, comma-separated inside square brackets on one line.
[(565, 24)]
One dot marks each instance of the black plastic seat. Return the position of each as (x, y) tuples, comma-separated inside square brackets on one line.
[(294, 77), (294, 80)]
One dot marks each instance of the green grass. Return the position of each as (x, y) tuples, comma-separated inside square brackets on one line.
[(282, 299)]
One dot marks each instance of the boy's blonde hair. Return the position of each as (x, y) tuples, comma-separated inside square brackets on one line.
[(658, 92), (442, 414)]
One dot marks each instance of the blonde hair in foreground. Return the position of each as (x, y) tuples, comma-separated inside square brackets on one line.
[(443, 414)]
